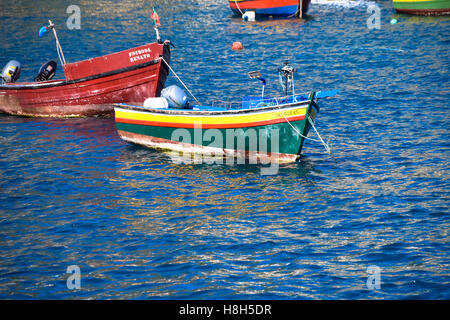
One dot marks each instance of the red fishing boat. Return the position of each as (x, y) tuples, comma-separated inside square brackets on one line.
[(91, 86), (270, 7)]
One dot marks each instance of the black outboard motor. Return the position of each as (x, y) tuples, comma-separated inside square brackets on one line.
[(46, 72), (11, 72)]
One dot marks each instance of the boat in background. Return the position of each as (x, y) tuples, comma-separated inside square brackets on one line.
[(423, 7), (270, 7), (91, 86)]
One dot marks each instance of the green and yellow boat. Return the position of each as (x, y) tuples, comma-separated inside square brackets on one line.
[(258, 129), (273, 131), (423, 7)]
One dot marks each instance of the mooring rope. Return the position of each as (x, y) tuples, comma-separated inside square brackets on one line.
[(58, 48), (295, 14), (180, 80), (298, 132), (238, 7), (299, 12), (295, 129), (327, 147)]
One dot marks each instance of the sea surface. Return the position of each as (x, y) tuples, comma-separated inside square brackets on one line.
[(373, 224)]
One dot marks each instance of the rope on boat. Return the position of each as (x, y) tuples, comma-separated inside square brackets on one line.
[(180, 80), (238, 8), (298, 132), (299, 12), (296, 14), (327, 147), (63, 62), (58, 45), (317, 132)]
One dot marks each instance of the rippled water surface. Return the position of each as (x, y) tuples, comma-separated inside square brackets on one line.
[(141, 226)]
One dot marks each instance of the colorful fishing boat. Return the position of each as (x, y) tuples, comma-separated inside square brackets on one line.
[(90, 87), (423, 7), (270, 7), (276, 131), (260, 128)]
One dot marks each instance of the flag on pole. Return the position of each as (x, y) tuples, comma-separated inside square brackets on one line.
[(155, 18), (42, 31)]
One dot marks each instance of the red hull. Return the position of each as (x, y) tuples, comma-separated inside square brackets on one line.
[(92, 86)]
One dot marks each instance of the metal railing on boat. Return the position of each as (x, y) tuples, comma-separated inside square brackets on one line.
[(251, 102)]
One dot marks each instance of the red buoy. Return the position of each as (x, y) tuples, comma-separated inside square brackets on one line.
[(237, 46)]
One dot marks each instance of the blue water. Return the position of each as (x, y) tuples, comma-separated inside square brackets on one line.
[(141, 226)]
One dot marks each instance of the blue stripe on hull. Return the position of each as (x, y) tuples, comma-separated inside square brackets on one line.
[(278, 11)]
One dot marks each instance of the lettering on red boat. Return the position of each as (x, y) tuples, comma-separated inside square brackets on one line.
[(141, 54)]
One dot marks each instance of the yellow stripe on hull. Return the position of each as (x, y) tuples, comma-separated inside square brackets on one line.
[(295, 111)]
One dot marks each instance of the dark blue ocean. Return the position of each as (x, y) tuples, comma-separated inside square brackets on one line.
[(372, 225)]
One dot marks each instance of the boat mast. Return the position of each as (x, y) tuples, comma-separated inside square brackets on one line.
[(286, 74), (158, 38)]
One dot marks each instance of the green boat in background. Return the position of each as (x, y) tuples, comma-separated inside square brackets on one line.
[(423, 7)]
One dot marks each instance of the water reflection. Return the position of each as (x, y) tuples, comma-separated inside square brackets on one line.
[(141, 226)]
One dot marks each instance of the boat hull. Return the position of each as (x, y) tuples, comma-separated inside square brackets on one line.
[(263, 134), (423, 7), (92, 86), (268, 7)]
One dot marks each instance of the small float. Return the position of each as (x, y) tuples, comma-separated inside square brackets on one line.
[(270, 7), (259, 127), (423, 7), (91, 86)]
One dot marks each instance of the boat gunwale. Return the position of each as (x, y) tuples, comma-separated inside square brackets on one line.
[(192, 112)]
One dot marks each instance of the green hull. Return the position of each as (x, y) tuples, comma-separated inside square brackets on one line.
[(434, 7), (277, 138)]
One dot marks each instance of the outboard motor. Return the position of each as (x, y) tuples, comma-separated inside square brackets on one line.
[(46, 72), (11, 71), (176, 97)]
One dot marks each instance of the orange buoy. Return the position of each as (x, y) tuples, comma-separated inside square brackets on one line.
[(237, 46)]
